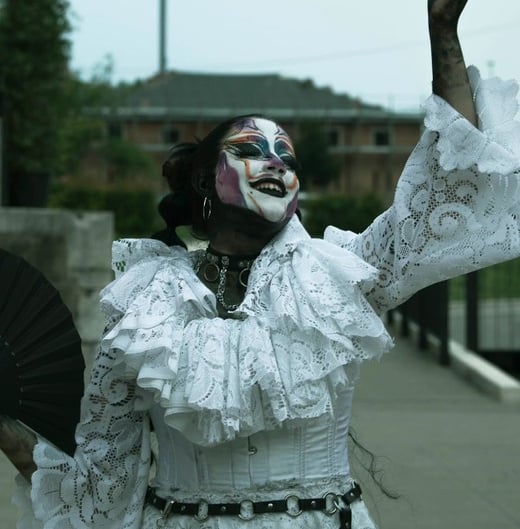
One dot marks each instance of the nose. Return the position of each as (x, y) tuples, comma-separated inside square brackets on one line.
[(276, 165)]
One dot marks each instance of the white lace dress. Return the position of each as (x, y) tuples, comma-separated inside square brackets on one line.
[(257, 406)]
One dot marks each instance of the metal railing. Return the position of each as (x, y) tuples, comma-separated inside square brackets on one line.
[(480, 310), (428, 308)]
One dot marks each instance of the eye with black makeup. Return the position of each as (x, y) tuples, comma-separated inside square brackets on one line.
[(247, 150), (290, 161), (254, 150)]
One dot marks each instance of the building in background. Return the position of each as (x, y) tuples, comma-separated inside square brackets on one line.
[(370, 143)]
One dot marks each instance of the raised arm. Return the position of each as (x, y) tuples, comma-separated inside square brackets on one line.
[(456, 207), (450, 78)]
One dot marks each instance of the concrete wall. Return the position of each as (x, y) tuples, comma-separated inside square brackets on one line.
[(72, 249)]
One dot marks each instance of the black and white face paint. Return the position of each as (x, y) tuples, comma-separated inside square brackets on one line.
[(256, 170)]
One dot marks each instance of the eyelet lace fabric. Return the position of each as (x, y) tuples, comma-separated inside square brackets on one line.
[(308, 318), (457, 203)]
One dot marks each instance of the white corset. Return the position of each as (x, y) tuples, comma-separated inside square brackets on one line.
[(315, 451)]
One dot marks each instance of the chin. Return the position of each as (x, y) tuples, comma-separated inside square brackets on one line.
[(270, 210), (274, 217), (252, 219)]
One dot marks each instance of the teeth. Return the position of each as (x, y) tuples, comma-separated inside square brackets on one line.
[(268, 186)]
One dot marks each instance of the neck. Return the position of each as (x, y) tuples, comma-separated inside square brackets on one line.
[(236, 231), (232, 241)]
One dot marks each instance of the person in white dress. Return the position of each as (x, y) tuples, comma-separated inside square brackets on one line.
[(244, 356)]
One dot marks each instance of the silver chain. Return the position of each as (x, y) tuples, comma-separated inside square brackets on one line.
[(222, 276), (221, 288)]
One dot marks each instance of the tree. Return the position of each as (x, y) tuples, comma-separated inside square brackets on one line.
[(87, 123), (34, 53), (318, 166), (353, 213)]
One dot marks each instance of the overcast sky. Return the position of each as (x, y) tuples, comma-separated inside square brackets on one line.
[(374, 49)]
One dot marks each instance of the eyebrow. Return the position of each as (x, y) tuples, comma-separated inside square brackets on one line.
[(246, 136)]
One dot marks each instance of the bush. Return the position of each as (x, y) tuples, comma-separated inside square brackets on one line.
[(135, 209), (345, 212), (126, 160), (317, 166)]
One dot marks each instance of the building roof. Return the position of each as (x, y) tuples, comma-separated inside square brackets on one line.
[(184, 95)]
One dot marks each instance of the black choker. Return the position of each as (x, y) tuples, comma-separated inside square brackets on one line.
[(215, 266)]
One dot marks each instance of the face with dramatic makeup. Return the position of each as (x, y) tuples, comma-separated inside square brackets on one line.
[(256, 169)]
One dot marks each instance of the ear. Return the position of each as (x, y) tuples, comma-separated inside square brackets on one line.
[(203, 183)]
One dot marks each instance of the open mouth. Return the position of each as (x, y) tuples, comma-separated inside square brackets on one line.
[(270, 186)]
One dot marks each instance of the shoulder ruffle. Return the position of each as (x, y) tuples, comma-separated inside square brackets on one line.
[(283, 357), (152, 281), (495, 147)]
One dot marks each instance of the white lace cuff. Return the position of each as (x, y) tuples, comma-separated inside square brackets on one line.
[(495, 148)]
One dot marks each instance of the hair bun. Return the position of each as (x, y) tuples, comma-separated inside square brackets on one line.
[(176, 208)]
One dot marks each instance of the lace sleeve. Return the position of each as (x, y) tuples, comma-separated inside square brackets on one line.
[(457, 204), (103, 485)]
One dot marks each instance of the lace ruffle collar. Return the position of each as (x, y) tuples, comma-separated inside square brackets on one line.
[(284, 356)]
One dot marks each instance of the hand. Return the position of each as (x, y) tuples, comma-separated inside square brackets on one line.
[(445, 13), (17, 443)]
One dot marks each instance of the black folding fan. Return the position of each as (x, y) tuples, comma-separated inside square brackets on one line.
[(41, 363)]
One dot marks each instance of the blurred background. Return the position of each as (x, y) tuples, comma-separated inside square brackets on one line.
[(94, 93)]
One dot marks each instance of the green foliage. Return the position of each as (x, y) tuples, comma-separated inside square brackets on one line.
[(99, 90), (345, 212), (83, 126), (318, 167), (126, 160), (79, 130), (34, 50), (135, 209), (501, 281)]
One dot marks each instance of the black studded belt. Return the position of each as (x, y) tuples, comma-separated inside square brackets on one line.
[(246, 510)]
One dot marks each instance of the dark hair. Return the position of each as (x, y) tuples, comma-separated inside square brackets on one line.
[(369, 462), (190, 173)]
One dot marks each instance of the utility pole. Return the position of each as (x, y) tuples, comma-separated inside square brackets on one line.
[(491, 68), (162, 36)]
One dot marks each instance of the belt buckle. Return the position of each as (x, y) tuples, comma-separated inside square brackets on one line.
[(161, 521), (202, 512), (288, 511), (246, 517), (167, 508)]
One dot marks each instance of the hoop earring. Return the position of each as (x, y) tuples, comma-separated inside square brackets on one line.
[(206, 209)]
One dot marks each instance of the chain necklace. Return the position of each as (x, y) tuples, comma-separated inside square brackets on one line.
[(215, 267)]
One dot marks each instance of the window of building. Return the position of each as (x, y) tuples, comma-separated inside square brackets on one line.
[(170, 134), (382, 137), (332, 136)]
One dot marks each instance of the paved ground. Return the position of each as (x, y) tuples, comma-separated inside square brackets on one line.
[(450, 451), (8, 513)]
